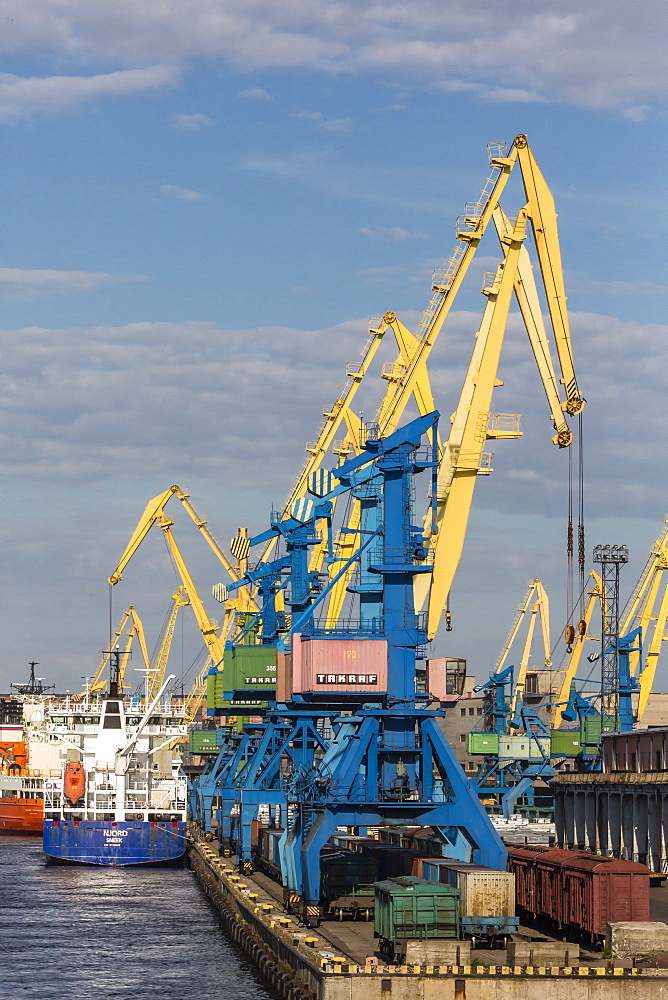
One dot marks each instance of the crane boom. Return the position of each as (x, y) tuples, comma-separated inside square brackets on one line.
[(152, 512), (526, 293), (157, 675), (446, 284), (453, 510), (595, 598), (207, 626), (99, 681), (539, 606), (337, 414), (543, 215), (463, 456), (653, 652), (641, 610)]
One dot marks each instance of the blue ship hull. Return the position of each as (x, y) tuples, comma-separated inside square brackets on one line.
[(114, 845)]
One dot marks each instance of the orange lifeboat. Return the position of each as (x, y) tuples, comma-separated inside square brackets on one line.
[(74, 781)]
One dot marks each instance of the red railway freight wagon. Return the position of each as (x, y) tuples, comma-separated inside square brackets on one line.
[(577, 891)]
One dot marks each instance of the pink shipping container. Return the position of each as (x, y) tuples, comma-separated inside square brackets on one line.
[(283, 677), (338, 664)]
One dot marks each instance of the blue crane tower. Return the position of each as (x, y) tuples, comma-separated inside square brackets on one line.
[(382, 757)]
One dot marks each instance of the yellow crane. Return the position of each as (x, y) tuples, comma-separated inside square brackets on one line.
[(462, 456), (100, 682), (647, 607), (406, 377), (159, 666), (576, 639), (474, 423), (535, 604), (207, 626), (649, 604), (153, 512)]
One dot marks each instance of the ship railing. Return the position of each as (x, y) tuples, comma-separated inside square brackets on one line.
[(37, 772)]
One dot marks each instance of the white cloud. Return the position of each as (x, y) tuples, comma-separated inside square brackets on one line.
[(382, 275), (394, 233), (170, 393), (181, 194), (17, 283), (337, 124), (619, 289), (327, 124), (105, 418), (344, 179), (255, 94), (22, 97), (190, 123), (494, 95), (599, 55)]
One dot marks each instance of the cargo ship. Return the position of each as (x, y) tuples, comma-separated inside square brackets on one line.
[(120, 800), (21, 792), (28, 757)]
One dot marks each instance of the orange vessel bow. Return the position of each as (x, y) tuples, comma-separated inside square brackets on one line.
[(21, 810)]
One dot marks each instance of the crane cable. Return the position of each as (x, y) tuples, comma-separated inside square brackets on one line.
[(569, 550), (570, 546), (581, 528)]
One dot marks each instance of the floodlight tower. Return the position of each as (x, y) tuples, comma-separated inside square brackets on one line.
[(611, 557)]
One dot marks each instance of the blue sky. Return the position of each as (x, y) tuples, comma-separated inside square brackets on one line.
[(202, 205)]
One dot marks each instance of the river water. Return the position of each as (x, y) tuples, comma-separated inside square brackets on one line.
[(112, 934)]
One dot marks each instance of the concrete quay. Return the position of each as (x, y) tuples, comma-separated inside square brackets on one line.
[(305, 964)]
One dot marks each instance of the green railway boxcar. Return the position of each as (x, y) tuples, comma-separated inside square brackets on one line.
[(342, 871), (412, 909), (346, 883), (592, 726)]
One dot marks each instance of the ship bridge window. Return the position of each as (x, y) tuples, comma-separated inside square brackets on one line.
[(112, 716)]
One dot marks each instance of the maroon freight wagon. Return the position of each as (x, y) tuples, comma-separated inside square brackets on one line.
[(578, 891)]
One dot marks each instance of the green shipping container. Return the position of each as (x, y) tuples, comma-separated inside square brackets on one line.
[(250, 668), (412, 909), (487, 743), (214, 690), (202, 741), (564, 742)]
